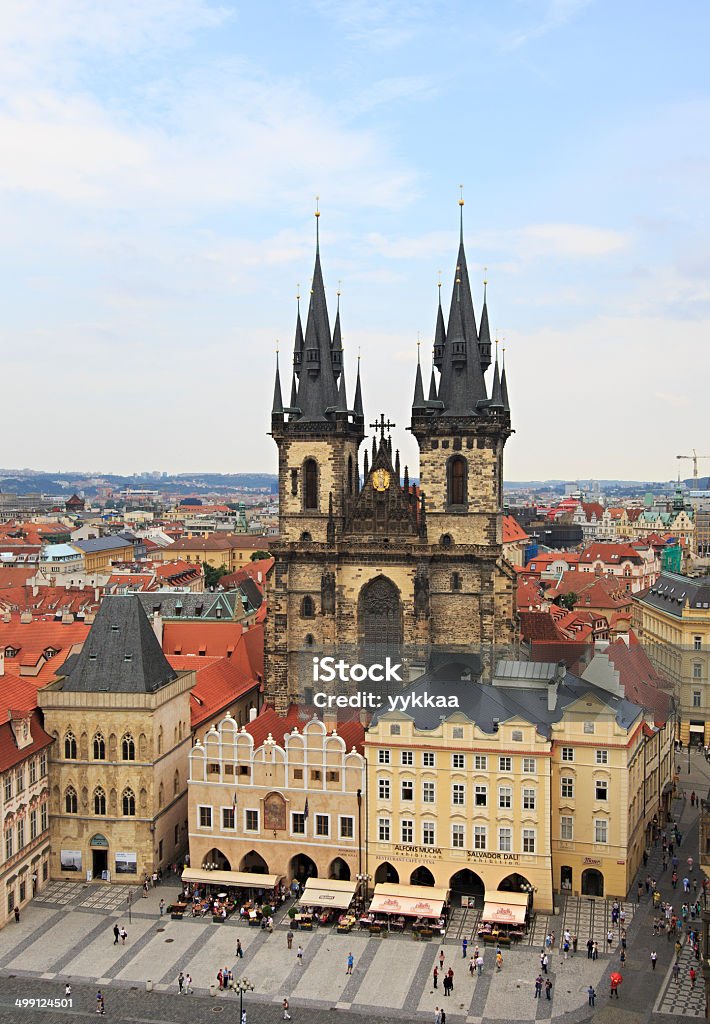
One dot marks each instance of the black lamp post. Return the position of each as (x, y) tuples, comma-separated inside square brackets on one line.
[(242, 986)]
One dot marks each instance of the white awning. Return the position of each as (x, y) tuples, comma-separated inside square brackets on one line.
[(697, 728), (328, 892), (505, 908), (408, 900), (243, 879)]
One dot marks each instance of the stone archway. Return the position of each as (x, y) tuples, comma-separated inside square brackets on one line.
[(340, 870), (421, 876), (254, 862), (302, 867), (514, 883), (215, 860), (467, 883), (379, 615), (386, 873), (592, 882)]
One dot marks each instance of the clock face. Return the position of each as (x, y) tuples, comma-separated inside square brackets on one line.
[(380, 479)]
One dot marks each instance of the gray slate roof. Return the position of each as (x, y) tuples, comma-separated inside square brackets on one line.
[(121, 653), (191, 606), (102, 543), (484, 704), (671, 591)]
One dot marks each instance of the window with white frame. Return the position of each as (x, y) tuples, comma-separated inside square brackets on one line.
[(529, 799), (407, 757), (428, 833), (567, 828), (505, 839), (697, 670), (601, 830), (458, 761), (458, 836), (407, 830), (480, 762), (428, 759), (322, 824), (228, 818), (601, 789), (480, 796), (251, 821), (458, 794), (567, 787), (528, 840), (384, 830), (505, 797), (407, 789), (346, 825), (383, 789), (568, 753), (505, 764), (383, 757), (480, 835), (697, 698), (602, 757), (204, 816), (428, 793), (529, 765), (298, 823), (697, 643)]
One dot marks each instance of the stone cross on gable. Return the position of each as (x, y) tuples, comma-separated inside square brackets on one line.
[(382, 425)]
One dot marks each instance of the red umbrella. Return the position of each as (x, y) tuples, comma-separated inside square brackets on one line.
[(616, 978)]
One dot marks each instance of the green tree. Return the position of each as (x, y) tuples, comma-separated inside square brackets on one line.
[(569, 600), (257, 555), (213, 574)]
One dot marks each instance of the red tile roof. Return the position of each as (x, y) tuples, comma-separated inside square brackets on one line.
[(512, 530), (641, 682), (218, 683), (611, 553), (350, 729), (10, 755)]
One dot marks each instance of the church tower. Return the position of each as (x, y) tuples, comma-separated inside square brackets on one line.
[(386, 566)]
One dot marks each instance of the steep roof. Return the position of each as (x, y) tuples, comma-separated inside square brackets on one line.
[(218, 683), (121, 653), (10, 755), (512, 530), (671, 592), (351, 730)]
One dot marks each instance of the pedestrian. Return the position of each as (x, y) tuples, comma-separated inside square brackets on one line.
[(645, 858), (548, 941), (499, 961), (161, 907), (574, 944), (437, 1016), (591, 995), (116, 933), (220, 979), (239, 952), (67, 990), (17, 915), (472, 966), (244, 1017), (446, 985), (350, 962), (464, 947), (181, 982), (538, 986), (590, 944), (622, 957), (692, 974), (441, 960), (595, 951), (100, 1004), (450, 976), (639, 890), (188, 984), (623, 938), (609, 939), (284, 1007), (614, 990), (124, 936), (676, 973), (299, 955), (565, 949), (289, 938), (436, 976), (548, 989), (544, 961), (692, 799), (443, 1016)]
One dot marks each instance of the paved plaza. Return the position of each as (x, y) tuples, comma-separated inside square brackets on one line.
[(66, 934)]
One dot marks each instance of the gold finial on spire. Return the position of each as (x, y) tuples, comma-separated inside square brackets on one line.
[(317, 210), (461, 199), (439, 281), (298, 291), (458, 275), (277, 346), (485, 275), (339, 284)]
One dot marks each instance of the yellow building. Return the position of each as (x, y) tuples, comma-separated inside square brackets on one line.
[(278, 797), (222, 551), (672, 620), (120, 719), (100, 553)]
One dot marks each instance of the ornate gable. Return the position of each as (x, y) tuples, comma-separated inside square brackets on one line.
[(383, 505)]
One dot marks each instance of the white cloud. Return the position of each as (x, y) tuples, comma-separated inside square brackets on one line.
[(553, 14)]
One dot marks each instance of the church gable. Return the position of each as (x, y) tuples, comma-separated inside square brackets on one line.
[(384, 505)]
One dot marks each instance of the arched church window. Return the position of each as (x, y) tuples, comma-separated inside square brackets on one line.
[(71, 804), (310, 484), (308, 607), (70, 746), (99, 801), (306, 537), (99, 747), (128, 748), (309, 640), (455, 581), (129, 803), (380, 618), (456, 480), (446, 540)]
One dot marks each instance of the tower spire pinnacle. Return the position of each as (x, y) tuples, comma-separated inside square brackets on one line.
[(277, 407), (461, 206)]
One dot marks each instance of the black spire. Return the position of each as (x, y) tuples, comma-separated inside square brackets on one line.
[(484, 334), (365, 466), (418, 402), (294, 397), (298, 341), (439, 336), (496, 394), (462, 385), (432, 387), (342, 404), (278, 406), (504, 386), (396, 466), (317, 389), (357, 405), (336, 349)]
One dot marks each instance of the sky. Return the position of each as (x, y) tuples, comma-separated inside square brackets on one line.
[(159, 162)]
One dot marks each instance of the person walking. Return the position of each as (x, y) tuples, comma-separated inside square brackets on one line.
[(595, 951), (289, 938), (590, 946), (622, 957), (693, 976), (436, 976), (538, 986), (443, 1015), (548, 989), (441, 960), (544, 961), (676, 972), (284, 1007), (472, 966), (188, 984), (116, 933), (299, 955), (609, 940), (654, 957), (479, 964), (181, 982), (591, 995), (437, 1016), (499, 961), (100, 1003), (450, 976), (220, 979), (124, 936), (161, 908), (614, 987), (464, 947), (446, 985), (239, 952), (350, 962)]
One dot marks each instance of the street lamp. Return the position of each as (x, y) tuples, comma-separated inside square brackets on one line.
[(241, 986), (363, 882)]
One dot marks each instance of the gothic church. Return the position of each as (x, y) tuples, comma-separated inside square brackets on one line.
[(367, 562)]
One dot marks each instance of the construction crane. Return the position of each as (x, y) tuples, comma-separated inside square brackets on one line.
[(694, 458)]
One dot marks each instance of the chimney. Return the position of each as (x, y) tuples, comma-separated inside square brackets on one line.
[(330, 719), (553, 685), (158, 627), (2, 661), (252, 714)]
